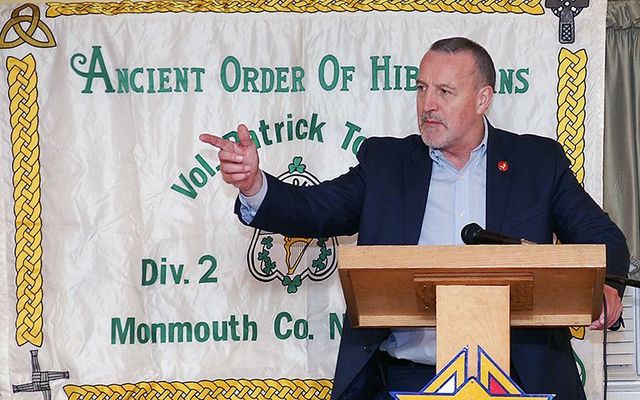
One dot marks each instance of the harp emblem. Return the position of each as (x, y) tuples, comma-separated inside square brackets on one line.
[(294, 249)]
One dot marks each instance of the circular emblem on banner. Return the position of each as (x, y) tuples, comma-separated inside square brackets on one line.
[(291, 260)]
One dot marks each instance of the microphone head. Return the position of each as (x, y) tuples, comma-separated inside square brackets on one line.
[(469, 233)]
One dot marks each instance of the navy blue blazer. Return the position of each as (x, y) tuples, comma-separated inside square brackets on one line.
[(383, 199)]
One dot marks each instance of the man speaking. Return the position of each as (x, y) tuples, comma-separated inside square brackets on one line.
[(423, 189)]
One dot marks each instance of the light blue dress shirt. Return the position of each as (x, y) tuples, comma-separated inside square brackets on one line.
[(456, 198)]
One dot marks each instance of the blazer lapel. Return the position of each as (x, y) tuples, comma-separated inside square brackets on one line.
[(417, 175), (499, 174)]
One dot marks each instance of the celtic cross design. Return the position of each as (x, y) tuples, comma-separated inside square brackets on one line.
[(566, 11)]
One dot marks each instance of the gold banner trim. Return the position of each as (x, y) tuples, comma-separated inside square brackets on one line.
[(288, 389), (532, 7), (23, 110), (572, 77)]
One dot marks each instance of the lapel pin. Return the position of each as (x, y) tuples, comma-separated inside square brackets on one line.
[(503, 166)]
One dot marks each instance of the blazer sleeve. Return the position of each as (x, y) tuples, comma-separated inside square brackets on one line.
[(332, 208), (577, 218)]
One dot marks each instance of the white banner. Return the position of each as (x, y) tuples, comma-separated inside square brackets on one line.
[(124, 262)]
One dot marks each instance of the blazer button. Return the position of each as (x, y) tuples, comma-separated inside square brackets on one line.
[(368, 348)]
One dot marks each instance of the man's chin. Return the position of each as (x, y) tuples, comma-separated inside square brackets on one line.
[(431, 138), (435, 145)]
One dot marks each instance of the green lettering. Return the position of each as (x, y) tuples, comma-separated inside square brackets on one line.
[(164, 79), (277, 325), (180, 330), (290, 126), (235, 64), (198, 72), (281, 79), (151, 88), (123, 80), (376, 69), (506, 81), (187, 190), (205, 165), (296, 80), (268, 79), (198, 177), (143, 333), (264, 129), (335, 325), (250, 78), (202, 332), (411, 76), (397, 69), (249, 329), (278, 126), (300, 134), (132, 80), (353, 128), (521, 77), (220, 334), (316, 129), (97, 69), (347, 76), (233, 325), (161, 330), (182, 81), (321, 72), (119, 334)]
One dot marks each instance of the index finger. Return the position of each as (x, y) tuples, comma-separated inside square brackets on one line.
[(217, 141)]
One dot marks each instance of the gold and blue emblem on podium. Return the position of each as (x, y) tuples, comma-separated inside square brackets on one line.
[(454, 383)]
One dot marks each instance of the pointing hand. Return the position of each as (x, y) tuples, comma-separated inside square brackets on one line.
[(239, 162)]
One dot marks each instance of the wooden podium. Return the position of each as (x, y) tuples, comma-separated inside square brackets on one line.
[(472, 294)]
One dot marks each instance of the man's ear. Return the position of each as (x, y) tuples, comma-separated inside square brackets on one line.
[(484, 99)]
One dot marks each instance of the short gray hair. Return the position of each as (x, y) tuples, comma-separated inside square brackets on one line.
[(483, 60)]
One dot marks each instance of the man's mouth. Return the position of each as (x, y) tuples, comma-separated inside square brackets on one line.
[(432, 121)]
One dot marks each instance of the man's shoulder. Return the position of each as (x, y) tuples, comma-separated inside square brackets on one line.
[(527, 142)]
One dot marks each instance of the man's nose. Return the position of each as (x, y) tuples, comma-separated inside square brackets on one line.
[(428, 101)]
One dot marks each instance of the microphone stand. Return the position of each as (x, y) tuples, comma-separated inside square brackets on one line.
[(624, 281), (633, 273)]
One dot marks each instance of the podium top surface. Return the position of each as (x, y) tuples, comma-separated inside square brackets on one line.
[(464, 256), (550, 285)]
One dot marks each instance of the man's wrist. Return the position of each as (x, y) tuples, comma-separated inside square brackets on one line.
[(254, 202), (255, 187)]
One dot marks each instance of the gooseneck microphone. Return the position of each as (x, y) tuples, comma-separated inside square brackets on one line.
[(634, 275), (474, 234)]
